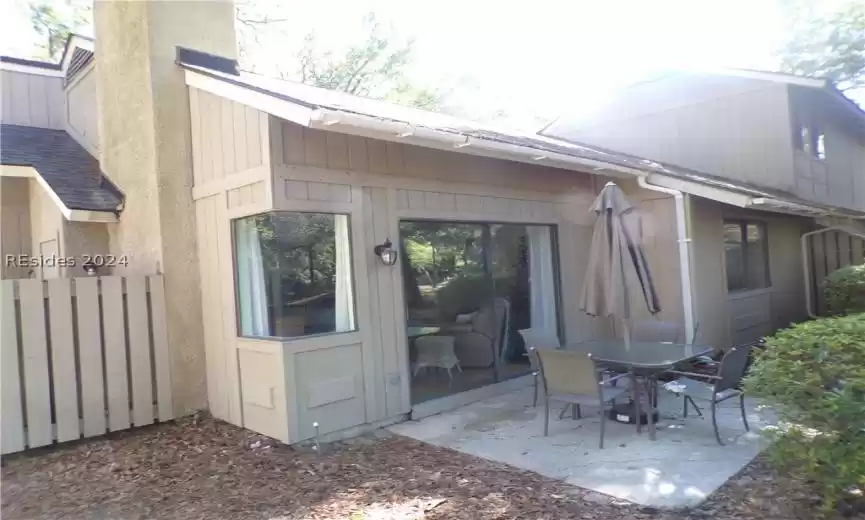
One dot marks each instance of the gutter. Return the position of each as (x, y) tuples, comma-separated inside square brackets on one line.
[(684, 242), (399, 131)]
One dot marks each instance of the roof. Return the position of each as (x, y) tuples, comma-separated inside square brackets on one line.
[(77, 62), (314, 98), (30, 63), (70, 171), (327, 109)]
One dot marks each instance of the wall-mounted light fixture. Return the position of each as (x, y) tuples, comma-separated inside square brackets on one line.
[(89, 268), (386, 253)]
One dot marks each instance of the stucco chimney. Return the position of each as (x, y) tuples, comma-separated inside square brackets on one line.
[(145, 149)]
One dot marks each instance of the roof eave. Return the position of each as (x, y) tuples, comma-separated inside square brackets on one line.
[(70, 214)]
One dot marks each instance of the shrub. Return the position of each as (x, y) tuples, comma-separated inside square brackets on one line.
[(814, 375), (844, 290)]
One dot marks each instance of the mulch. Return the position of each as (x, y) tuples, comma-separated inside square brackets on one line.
[(201, 468)]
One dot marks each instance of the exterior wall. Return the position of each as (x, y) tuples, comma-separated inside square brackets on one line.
[(81, 111), (47, 230), (14, 224), (726, 319), (31, 99), (839, 179), (231, 168), (145, 149), (246, 162), (85, 238), (732, 127)]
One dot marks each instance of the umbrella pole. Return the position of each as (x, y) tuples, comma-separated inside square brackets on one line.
[(626, 333)]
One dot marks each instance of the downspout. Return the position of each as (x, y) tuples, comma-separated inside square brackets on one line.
[(684, 242)]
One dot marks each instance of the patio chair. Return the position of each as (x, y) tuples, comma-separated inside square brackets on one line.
[(725, 385), (438, 352), (573, 378), (538, 339), (479, 339)]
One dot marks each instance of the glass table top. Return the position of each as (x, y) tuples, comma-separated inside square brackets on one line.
[(640, 354)]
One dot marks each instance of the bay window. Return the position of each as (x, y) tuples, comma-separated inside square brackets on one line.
[(293, 274)]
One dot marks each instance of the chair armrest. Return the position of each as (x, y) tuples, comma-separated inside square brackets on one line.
[(692, 374), (614, 378)]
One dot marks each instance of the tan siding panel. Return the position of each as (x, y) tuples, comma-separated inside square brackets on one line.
[(315, 147), (253, 138), (228, 138), (293, 148), (377, 154), (337, 151), (357, 154)]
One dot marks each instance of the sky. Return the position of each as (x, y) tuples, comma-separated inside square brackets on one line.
[(539, 58)]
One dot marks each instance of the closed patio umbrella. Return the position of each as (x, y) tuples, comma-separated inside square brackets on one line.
[(617, 264)]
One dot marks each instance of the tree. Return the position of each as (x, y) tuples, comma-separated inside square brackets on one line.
[(831, 46), (55, 22), (373, 68)]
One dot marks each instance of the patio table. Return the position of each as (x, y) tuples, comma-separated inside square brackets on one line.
[(643, 359)]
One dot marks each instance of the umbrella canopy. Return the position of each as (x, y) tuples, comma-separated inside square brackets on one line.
[(617, 264)]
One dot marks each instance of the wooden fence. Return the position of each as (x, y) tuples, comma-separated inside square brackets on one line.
[(81, 357), (830, 251)]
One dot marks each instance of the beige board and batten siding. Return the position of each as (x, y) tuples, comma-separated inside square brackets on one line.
[(32, 99), (345, 381), (230, 178), (14, 225), (730, 318), (81, 120), (738, 128), (326, 171)]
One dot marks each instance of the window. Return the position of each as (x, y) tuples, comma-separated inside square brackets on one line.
[(294, 275), (811, 140), (746, 255)]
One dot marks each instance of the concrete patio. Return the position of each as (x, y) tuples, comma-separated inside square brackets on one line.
[(680, 469)]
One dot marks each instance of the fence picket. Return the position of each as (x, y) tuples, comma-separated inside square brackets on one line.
[(37, 397), (139, 351), (12, 423), (90, 355), (160, 348), (116, 377), (63, 359)]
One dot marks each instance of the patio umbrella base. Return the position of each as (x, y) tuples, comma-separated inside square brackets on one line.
[(626, 413)]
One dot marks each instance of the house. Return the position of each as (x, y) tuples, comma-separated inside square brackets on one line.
[(273, 211), (758, 134), (54, 197)]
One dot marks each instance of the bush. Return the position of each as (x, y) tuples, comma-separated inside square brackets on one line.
[(844, 290), (814, 375)]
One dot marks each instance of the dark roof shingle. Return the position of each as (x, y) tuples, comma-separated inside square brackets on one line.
[(68, 168)]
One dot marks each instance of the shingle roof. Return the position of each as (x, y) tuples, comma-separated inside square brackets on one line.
[(68, 168)]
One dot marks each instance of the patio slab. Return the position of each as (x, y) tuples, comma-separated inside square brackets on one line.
[(680, 469)]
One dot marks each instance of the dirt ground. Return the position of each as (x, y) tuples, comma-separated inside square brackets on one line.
[(206, 469)]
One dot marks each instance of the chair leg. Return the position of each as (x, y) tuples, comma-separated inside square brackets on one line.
[(715, 422), (535, 399), (694, 405), (546, 416), (579, 411), (744, 415), (564, 410), (603, 422), (685, 406)]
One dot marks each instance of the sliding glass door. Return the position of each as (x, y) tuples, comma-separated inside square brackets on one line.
[(469, 287)]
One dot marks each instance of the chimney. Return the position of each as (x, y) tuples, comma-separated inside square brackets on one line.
[(145, 148)]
